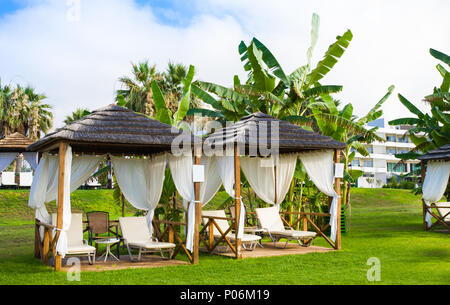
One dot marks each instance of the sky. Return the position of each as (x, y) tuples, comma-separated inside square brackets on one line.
[(74, 51)]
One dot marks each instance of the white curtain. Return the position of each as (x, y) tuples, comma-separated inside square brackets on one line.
[(181, 170), (260, 174), (6, 158), (225, 168), (32, 159), (435, 183), (212, 182), (45, 183), (319, 166), (141, 182)]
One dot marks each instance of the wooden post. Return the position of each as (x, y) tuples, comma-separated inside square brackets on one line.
[(237, 200), (46, 245), (337, 189), (37, 253), (198, 211), (59, 220), (424, 208)]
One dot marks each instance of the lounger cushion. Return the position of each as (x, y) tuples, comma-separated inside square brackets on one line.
[(151, 244), (270, 219), (444, 211), (295, 234), (245, 237), (80, 249)]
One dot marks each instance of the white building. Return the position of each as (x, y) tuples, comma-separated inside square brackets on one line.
[(381, 164)]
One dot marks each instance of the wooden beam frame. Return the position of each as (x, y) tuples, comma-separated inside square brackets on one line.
[(60, 209), (337, 189), (198, 210), (237, 200)]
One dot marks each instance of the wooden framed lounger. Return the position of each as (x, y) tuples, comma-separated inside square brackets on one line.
[(76, 245), (136, 235), (249, 241), (270, 221)]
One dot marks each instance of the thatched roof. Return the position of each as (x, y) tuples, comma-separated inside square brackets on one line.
[(249, 132), (113, 129), (442, 153), (15, 142)]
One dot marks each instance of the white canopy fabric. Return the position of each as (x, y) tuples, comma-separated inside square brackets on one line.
[(32, 159), (225, 169), (435, 184), (45, 185), (212, 182), (141, 182), (181, 170), (319, 166), (260, 174), (6, 158)]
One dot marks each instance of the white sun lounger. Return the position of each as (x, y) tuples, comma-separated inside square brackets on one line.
[(76, 245), (443, 209), (136, 235), (271, 223), (8, 179), (26, 179), (249, 241)]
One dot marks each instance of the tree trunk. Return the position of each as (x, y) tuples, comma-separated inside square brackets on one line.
[(19, 163)]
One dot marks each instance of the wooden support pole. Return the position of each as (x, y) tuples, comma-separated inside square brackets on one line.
[(46, 245), (59, 220), (424, 208), (337, 189), (198, 210), (237, 200)]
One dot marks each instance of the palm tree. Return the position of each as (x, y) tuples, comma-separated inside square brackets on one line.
[(76, 115), (138, 93)]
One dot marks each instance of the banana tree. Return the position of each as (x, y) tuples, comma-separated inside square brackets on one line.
[(343, 126), (429, 131), (268, 88)]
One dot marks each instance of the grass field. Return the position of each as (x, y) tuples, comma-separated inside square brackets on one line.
[(386, 224)]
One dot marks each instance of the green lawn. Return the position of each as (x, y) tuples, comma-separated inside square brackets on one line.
[(386, 224)]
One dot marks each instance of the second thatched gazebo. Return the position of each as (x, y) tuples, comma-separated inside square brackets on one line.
[(260, 135)]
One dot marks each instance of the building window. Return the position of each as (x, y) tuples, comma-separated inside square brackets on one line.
[(391, 138), (355, 162), (403, 151), (369, 149), (403, 139), (368, 163), (390, 151), (396, 168)]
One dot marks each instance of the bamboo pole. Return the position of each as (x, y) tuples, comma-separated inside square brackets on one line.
[(59, 221), (237, 200), (337, 188), (198, 211)]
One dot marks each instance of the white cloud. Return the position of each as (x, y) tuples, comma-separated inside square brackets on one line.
[(77, 64)]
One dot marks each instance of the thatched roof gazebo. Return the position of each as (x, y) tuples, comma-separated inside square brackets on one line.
[(114, 131), (11, 147), (260, 135), (434, 184), (442, 153), (15, 142), (260, 129)]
